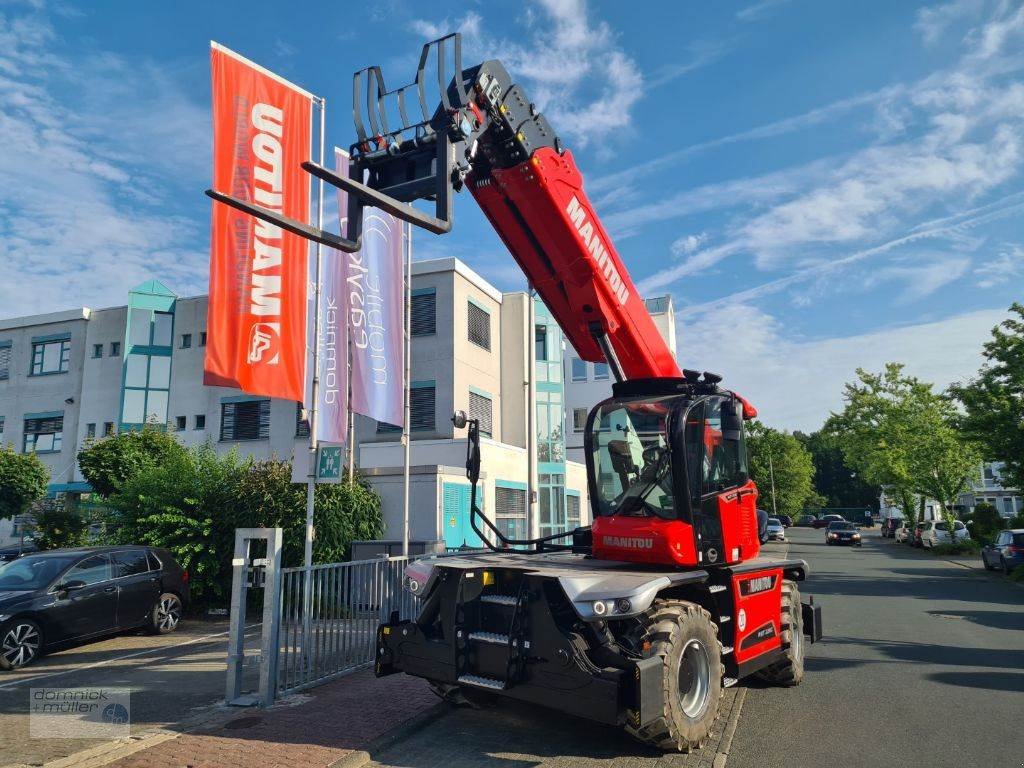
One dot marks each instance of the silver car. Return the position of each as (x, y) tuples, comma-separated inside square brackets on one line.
[(776, 530)]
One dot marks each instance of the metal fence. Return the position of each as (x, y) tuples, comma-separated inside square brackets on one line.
[(347, 603)]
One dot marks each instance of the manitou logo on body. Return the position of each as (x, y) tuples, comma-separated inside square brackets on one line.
[(265, 275), (598, 251), (756, 585), (628, 543)]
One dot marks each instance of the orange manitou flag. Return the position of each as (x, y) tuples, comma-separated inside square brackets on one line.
[(256, 320)]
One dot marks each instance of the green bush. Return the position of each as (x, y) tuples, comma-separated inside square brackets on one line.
[(23, 479), (110, 462), (965, 547), (192, 502), (59, 526), (985, 522)]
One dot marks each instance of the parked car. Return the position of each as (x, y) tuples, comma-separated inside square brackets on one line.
[(842, 532), (776, 530), (805, 521), (903, 533), (889, 526), (786, 520), (11, 553), (937, 532), (54, 599), (825, 520), (1006, 551), (915, 540)]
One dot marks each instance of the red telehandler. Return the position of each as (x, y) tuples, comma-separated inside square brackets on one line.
[(644, 617)]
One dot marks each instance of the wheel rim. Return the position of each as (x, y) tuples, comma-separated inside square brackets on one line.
[(20, 645), (694, 679), (168, 613)]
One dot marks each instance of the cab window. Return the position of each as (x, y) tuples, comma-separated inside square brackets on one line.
[(725, 454)]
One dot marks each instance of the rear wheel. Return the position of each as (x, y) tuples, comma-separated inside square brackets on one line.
[(684, 637), (1005, 565), (790, 670), (21, 641), (984, 561), (165, 615)]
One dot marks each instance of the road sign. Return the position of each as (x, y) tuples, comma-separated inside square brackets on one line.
[(330, 464)]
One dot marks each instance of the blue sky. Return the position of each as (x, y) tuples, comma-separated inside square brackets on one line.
[(820, 185)]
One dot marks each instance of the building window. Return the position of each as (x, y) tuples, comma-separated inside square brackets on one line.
[(97, 350), (579, 419), (424, 312), (108, 429), (1, 425), (479, 326), (200, 421), (246, 420), (186, 340), (600, 371), (90, 431), (179, 423), (572, 511), (481, 410), (540, 342), (147, 383), (301, 424), (51, 357), (510, 511), (115, 348), (421, 410), (43, 434), (579, 369), (5, 360), (202, 338)]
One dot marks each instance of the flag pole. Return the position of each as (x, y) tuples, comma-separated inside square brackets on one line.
[(307, 589), (406, 428)]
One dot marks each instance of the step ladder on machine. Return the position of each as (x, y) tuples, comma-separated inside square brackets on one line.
[(491, 645)]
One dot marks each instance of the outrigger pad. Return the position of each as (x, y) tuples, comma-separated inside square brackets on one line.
[(811, 615)]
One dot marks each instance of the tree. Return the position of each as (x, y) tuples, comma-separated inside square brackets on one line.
[(986, 522), (994, 400), (58, 525), (901, 435), (780, 456), (836, 480), (23, 480), (111, 461)]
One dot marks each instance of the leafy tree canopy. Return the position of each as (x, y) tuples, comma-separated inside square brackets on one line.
[(23, 481), (111, 461), (780, 455)]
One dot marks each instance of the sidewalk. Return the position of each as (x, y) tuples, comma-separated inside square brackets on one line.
[(332, 724)]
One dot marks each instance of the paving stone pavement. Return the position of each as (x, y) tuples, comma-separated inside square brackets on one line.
[(327, 725), (511, 734)]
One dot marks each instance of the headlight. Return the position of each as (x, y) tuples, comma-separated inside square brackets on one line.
[(856, 535), (599, 607), (833, 535)]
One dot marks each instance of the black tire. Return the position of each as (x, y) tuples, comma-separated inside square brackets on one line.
[(21, 643), (984, 561), (165, 616), (1006, 568), (790, 670), (684, 637)]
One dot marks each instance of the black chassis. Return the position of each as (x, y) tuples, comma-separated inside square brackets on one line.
[(515, 632)]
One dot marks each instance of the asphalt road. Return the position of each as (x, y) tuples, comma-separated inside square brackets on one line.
[(921, 666), (173, 679)]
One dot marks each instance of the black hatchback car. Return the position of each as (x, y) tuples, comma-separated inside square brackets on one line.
[(50, 600), (842, 533)]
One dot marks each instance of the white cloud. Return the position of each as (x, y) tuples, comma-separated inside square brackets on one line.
[(758, 10), (922, 279), (795, 383), (81, 212), (1007, 265), (687, 244), (933, 20)]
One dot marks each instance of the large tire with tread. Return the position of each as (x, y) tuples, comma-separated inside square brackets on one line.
[(790, 670), (684, 636)]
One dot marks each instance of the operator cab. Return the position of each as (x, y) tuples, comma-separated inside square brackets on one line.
[(668, 475)]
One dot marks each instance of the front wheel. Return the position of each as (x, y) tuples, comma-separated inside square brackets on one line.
[(789, 671), (166, 614), (684, 637), (21, 642)]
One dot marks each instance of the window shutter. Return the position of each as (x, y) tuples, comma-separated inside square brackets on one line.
[(5, 363), (248, 420), (479, 327), (480, 409), (44, 426), (421, 406), (572, 508), (424, 314)]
